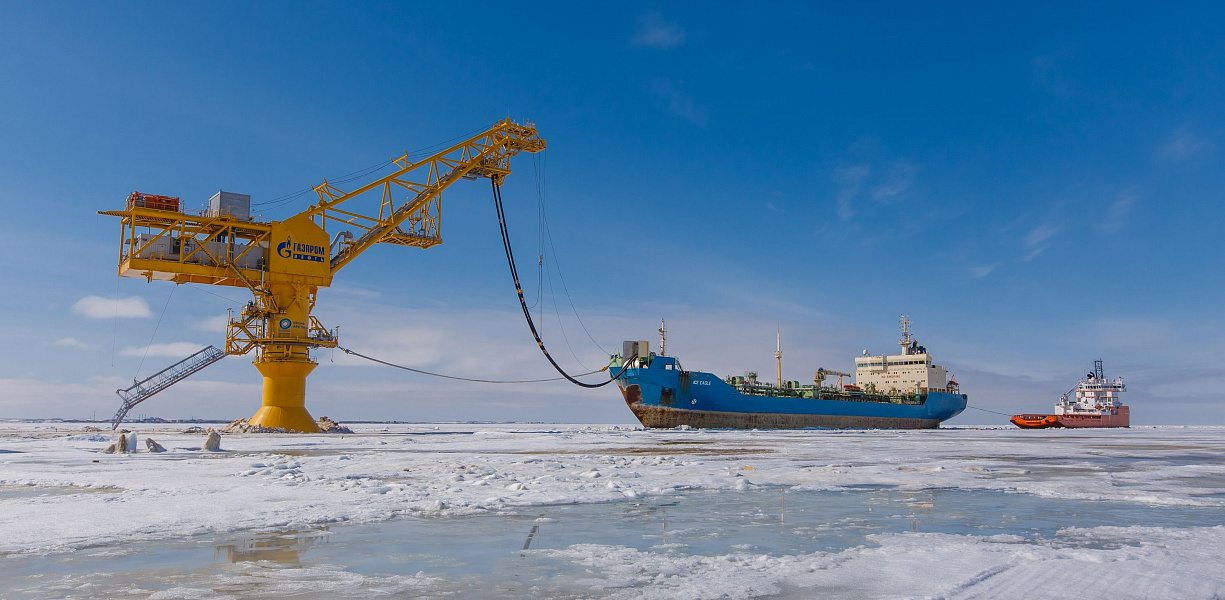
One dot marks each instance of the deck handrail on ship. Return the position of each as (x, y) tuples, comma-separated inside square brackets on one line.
[(809, 392)]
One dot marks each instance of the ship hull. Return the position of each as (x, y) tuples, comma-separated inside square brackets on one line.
[(1121, 419), (662, 417), (663, 396)]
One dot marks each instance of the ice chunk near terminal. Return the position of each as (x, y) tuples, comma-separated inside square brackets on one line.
[(242, 426), (213, 443), (154, 446), (327, 425), (125, 444)]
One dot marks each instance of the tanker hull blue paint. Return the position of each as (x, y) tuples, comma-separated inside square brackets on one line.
[(663, 395)]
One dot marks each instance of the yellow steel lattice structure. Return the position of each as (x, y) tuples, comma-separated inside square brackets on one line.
[(284, 263)]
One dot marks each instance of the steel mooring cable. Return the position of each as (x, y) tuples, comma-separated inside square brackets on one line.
[(393, 365), (990, 411)]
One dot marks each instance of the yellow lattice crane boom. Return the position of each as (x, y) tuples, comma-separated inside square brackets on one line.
[(284, 263)]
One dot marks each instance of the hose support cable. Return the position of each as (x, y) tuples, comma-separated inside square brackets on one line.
[(527, 314)]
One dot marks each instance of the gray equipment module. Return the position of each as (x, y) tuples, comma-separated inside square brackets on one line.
[(229, 204)]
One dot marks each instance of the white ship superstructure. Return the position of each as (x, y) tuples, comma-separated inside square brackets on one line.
[(910, 371), (1095, 395)]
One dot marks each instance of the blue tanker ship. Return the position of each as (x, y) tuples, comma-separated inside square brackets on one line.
[(904, 391)]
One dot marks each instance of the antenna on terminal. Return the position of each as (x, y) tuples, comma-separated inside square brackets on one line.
[(663, 337)]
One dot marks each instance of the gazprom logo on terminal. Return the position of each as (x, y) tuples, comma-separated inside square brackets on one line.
[(285, 323), (283, 247), (290, 249)]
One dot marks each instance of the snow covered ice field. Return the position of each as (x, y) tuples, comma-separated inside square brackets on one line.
[(572, 511)]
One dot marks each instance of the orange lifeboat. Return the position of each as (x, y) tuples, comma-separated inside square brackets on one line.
[(1035, 421)]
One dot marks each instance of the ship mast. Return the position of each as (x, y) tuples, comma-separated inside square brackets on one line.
[(904, 321), (663, 337), (778, 355)]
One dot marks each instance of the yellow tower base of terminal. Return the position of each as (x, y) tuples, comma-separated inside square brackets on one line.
[(284, 400)]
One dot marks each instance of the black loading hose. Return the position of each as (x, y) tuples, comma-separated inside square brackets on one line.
[(527, 314)]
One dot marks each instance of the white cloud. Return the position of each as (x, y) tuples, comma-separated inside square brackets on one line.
[(97, 307), (980, 272), (211, 324), (1181, 146), (172, 349), (655, 32), (1040, 234), (849, 176), (869, 178), (1051, 72), (679, 102), (69, 342), (898, 178), (352, 290), (1116, 216), (1036, 239), (34, 398)]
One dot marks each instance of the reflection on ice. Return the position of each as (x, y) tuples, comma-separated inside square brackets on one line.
[(282, 548), (36, 491)]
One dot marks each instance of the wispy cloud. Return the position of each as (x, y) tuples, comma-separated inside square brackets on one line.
[(679, 103), (353, 290), (172, 349), (898, 177), (70, 342), (1116, 215), (868, 179), (655, 32), (97, 307), (1050, 72), (849, 177), (1181, 146), (983, 271), (1036, 239)]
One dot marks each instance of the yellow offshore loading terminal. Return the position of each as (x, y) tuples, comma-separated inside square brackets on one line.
[(284, 263)]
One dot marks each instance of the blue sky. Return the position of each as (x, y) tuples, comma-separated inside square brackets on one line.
[(1037, 186)]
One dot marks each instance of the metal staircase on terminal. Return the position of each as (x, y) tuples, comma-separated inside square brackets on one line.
[(144, 389)]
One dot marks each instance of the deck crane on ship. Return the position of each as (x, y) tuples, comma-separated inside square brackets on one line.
[(284, 263)]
